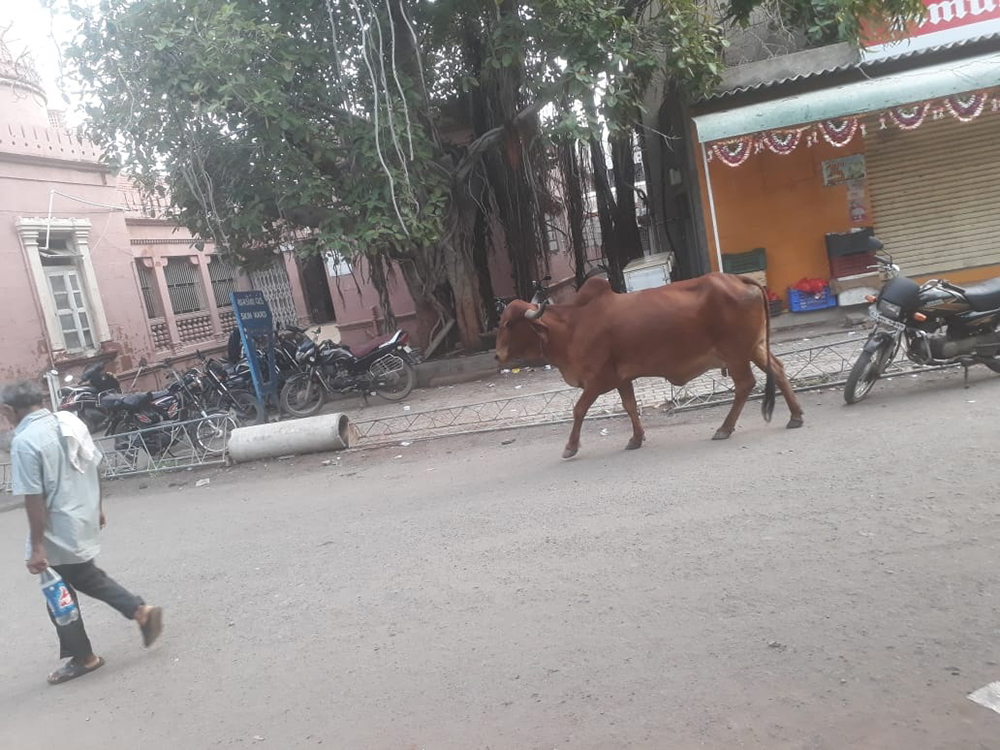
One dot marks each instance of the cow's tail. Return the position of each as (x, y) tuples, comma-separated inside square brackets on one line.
[(767, 405)]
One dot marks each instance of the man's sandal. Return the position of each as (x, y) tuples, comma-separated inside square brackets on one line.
[(71, 670)]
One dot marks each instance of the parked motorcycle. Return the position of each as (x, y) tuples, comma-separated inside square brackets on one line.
[(181, 401), (383, 366), (85, 400), (286, 346), (935, 323), (221, 395)]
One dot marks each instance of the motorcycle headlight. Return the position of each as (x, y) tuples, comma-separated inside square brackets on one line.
[(890, 310)]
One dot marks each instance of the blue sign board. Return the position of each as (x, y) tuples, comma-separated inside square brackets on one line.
[(256, 326)]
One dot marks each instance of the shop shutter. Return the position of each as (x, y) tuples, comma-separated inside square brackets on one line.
[(935, 193)]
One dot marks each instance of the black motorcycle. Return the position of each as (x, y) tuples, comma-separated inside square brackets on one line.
[(936, 323), (286, 345), (222, 393), (159, 420), (85, 400), (383, 366)]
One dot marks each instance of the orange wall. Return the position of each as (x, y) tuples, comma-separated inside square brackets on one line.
[(779, 203)]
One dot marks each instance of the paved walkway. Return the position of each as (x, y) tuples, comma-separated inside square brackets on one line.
[(528, 396)]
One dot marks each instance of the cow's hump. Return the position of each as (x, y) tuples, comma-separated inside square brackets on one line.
[(594, 287)]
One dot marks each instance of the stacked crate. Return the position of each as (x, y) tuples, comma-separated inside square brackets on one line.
[(752, 264), (851, 275)]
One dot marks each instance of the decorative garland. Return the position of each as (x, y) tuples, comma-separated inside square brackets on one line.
[(735, 152), (781, 141), (838, 133)]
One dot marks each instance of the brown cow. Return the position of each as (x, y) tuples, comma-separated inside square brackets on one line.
[(602, 340)]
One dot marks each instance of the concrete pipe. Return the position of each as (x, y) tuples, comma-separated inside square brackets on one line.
[(329, 432)]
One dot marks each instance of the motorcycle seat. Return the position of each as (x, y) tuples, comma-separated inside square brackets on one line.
[(365, 349), (984, 296), (131, 401)]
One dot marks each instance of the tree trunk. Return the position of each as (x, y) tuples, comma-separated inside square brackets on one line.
[(428, 314), (569, 165), (628, 243), (379, 276), (481, 263), (605, 213), (468, 310)]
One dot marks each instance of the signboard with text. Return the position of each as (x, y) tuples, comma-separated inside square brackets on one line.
[(256, 326), (946, 22)]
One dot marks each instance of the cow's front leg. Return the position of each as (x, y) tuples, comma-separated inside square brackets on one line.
[(583, 404), (627, 392)]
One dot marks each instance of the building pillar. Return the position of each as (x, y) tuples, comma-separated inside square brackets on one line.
[(164, 292), (206, 282), (49, 322), (100, 323), (295, 282)]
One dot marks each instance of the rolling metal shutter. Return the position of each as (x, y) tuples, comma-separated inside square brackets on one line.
[(935, 193)]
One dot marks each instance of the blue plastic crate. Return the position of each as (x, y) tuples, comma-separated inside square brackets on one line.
[(804, 302)]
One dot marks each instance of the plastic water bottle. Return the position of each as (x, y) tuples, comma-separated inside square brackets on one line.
[(57, 596)]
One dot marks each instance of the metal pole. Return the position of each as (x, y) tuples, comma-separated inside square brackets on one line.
[(48, 221), (711, 207)]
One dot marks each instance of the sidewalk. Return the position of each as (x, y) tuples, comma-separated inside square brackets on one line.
[(818, 352)]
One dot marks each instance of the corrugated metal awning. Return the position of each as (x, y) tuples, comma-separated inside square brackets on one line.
[(871, 95)]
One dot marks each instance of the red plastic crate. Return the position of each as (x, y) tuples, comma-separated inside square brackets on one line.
[(849, 265)]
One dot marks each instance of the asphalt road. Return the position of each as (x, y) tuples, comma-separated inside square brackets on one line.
[(831, 587)]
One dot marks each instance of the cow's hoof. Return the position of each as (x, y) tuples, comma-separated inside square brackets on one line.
[(721, 435), (570, 452), (794, 423), (634, 444)]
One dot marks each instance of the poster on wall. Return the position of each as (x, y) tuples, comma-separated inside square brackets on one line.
[(845, 169), (856, 204)]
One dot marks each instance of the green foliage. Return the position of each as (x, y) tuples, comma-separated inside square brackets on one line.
[(237, 108), (829, 21), (264, 124)]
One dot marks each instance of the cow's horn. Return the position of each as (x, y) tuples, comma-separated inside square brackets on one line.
[(537, 312)]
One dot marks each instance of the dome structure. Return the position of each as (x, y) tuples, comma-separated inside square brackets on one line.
[(22, 97)]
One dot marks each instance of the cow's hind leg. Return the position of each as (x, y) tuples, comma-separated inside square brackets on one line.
[(762, 359), (583, 404), (627, 392), (744, 381)]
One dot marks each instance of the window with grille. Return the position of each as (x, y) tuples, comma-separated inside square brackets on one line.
[(592, 231), (183, 285), (223, 274), (551, 238), (147, 284)]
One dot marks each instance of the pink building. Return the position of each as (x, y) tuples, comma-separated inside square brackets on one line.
[(91, 273)]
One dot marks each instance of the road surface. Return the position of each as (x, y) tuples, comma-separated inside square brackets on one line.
[(833, 587)]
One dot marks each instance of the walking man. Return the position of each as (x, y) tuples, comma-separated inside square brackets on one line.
[(54, 464)]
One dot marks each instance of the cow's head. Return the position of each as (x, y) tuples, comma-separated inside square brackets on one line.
[(521, 332)]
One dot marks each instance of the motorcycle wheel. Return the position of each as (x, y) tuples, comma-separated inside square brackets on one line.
[(866, 370), (126, 442), (302, 395), (396, 385), (246, 409), (212, 434)]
